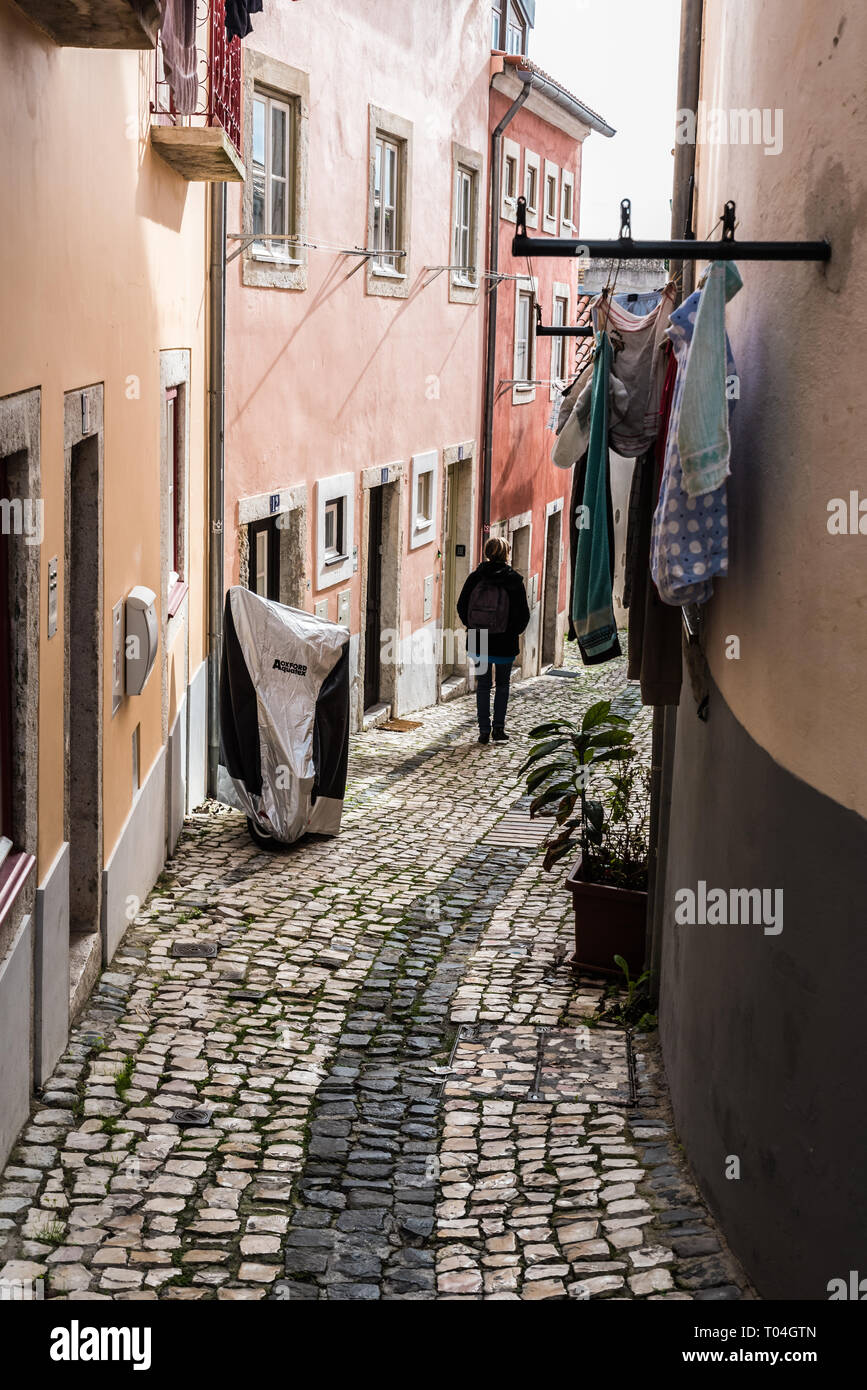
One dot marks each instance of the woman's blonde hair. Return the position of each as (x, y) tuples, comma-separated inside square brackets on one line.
[(496, 549)]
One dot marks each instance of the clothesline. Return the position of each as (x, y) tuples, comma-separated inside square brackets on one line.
[(247, 238)]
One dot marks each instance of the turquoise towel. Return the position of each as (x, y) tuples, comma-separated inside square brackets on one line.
[(592, 605), (703, 435)]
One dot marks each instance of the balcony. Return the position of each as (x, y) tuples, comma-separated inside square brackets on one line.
[(205, 146), (96, 23)]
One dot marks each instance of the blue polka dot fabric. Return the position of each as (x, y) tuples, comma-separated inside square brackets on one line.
[(689, 541)]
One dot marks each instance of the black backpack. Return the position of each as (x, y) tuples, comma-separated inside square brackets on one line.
[(488, 607)]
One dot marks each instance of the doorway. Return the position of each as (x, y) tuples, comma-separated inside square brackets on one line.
[(84, 667), (551, 593), (373, 607), (456, 552), (264, 567), (520, 561)]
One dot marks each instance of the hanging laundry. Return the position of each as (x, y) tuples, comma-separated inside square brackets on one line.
[(573, 438), (689, 543), (180, 56), (637, 301), (576, 503), (703, 440), (238, 24), (638, 365), (592, 601), (654, 633)]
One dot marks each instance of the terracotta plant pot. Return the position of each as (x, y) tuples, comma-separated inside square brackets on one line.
[(609, 922)]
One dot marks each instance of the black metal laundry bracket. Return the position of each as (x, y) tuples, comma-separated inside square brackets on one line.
[(561, 330), (624, 248)]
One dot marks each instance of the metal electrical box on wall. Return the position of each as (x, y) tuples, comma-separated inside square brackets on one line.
[(428, 598), (343, 602), (142, 638)]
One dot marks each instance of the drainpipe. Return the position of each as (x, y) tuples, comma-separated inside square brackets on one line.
[(216, 462), (493, 264), (665, 716)]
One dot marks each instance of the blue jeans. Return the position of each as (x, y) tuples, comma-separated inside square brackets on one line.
[(484, 679)]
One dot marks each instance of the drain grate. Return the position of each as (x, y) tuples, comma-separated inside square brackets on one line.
[(191, 1116), (518, 829), (542, 1064), (193, 950)]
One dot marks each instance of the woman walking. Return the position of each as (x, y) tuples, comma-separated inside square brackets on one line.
[(493, 608)]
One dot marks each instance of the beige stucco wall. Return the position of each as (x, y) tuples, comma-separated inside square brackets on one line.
[(102, 265), (796, 596)]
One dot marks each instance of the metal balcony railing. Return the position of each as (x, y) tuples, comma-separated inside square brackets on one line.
[(219, 67)]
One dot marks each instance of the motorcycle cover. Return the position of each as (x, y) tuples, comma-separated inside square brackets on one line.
[(284, 716)]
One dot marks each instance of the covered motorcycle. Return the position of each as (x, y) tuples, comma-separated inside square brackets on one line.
[(284, 718)]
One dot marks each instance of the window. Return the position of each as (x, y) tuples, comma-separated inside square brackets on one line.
[(522, 341), (524, 371), (531, 189), (334, 529), (174, 379), (496, 23), (424, 499), (389, 203), (272, 162), (274, 193), (264, 567), (464, 242), (510, 179), (464, 255), (567, 201), (423, 495), (385, 203), (175, 450), (516, 32), (550, 197), (559, 351), (532, 186)]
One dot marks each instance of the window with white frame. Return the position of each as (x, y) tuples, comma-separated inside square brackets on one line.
[(550, 196), (272, 164), (550, 209), (334, 529), (423, 495), (532, 182), (510, 182), (531, 190), (567, 202), (335, 519), (510, 178), (389, 198), (386, 203), (464, 240), (559, 348), (496, 22), (524, 339), (516, 32)]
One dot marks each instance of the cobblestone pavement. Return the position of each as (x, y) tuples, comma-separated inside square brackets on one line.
[(400, 1097)]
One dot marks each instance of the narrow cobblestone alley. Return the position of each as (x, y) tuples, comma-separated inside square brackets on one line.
[(378, 1083)]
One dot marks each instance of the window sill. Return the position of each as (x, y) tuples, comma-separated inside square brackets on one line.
[(386, 272), (176, 597), (460, 282), (270, 258), (14, 873), (334, 560)]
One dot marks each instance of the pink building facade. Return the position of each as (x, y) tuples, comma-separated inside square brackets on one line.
[(355, 329), (540, 158)]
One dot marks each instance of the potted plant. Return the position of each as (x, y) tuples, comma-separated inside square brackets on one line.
[(608, 880)]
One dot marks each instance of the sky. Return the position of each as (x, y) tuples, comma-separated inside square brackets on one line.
[(620, 57)]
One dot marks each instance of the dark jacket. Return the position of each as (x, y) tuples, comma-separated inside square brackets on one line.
[(496, 572)]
